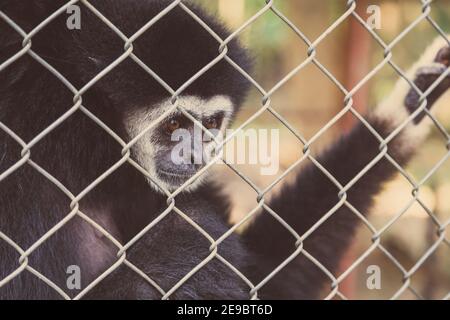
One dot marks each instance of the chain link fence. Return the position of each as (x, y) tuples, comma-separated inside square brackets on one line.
[(441, 227)]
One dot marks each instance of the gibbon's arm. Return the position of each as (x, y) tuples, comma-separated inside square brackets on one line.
[(303, 203)]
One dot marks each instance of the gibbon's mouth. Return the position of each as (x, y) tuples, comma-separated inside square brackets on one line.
[(174, 177)]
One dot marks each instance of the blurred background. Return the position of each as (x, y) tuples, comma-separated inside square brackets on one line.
[(309, 100)]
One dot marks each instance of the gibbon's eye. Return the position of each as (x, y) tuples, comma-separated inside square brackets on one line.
[(172, 125), (212, 123)]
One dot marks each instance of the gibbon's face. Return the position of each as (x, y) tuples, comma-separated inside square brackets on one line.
[(177, 49), (174, 149)]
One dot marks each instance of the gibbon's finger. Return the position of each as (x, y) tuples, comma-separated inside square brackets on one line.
[(425, 78), (443, 56)]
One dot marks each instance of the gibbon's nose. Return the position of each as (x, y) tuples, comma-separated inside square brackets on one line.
[(194, 162)]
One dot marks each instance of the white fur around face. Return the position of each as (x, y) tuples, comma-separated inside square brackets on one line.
[(393, 111), (146, 148)]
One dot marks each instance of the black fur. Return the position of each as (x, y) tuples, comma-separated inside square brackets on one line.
[(78, 151)]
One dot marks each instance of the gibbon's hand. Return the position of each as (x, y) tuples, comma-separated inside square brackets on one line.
[(425, 77)]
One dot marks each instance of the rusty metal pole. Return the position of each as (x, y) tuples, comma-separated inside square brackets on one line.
[(357, 66)]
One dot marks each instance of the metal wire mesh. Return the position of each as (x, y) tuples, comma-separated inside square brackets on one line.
[(269, 5)]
